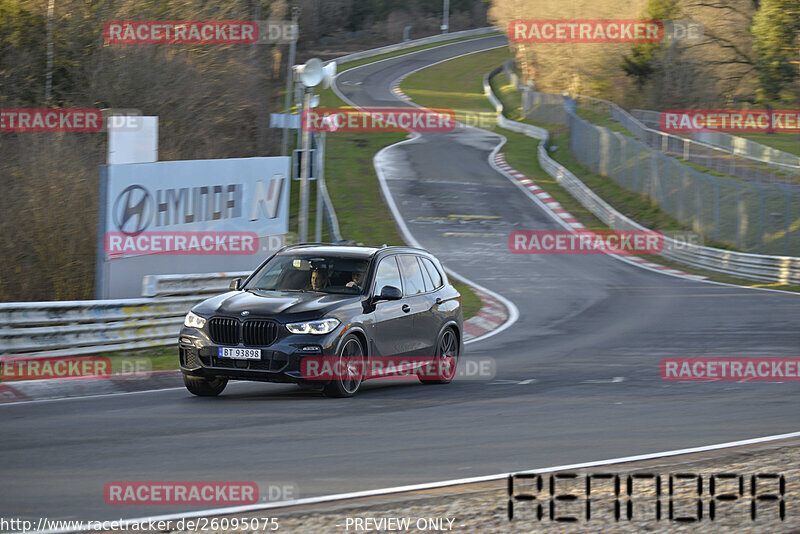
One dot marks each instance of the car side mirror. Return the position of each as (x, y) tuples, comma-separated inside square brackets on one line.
[(236, 284), (389, 293)]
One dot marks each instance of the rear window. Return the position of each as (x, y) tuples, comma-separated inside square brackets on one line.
[(433, 272), (425, 276), (413, 282)]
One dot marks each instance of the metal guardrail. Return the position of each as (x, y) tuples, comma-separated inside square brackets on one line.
[(49, 329), (727, 142), (773, 269), (414, 43), (709, 155), (162, 285)]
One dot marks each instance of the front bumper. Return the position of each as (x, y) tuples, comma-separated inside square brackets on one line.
[(280, 361)]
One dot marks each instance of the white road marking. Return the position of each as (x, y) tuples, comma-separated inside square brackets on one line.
[(615, 380)]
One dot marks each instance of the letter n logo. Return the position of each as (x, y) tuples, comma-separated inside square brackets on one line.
[(267, 199)]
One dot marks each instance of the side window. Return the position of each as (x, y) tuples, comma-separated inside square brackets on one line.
[(387, 275), (433, 272), (412, 275), (425, 276)]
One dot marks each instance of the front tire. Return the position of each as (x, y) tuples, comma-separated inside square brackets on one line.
[(446, 359), (350, 363), (205, 387)]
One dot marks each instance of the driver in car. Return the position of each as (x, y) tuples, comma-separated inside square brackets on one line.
[(357, 281)]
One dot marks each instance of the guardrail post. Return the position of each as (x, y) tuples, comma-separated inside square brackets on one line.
[(716, 210), (787, 219)]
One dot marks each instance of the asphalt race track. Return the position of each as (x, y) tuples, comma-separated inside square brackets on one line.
[(577, 376)]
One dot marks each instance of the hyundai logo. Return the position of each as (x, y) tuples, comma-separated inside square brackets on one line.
[(133, 210)]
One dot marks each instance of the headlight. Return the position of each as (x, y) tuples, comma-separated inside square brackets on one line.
[(323, 326), (194, 321)]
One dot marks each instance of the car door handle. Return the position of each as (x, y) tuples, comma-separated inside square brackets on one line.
[(406, 308)]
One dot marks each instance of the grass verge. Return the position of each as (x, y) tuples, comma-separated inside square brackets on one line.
[(787, 142)]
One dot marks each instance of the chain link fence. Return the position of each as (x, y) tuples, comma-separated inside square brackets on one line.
[(697, 151), (758, 217), (730, 143)]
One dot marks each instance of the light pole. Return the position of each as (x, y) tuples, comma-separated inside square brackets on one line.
[(289, 76), (446, 16), (320, 177), (304, 174), (311, 75)]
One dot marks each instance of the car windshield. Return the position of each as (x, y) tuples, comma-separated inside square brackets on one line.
[(321, 274)]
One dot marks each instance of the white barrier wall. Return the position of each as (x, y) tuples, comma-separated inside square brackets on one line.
[(177, 217)]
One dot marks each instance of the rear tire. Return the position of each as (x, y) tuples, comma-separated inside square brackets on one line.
[(446, 358), (205, 387), (351, 355)]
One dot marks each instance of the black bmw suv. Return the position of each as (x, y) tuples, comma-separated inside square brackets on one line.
[(328, 317)]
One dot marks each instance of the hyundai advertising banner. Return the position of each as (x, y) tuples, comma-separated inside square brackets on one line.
[(198, 216)]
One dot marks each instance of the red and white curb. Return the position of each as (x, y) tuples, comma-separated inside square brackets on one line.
[(490, 317), (399, 92), (89, 386), (558, 212)]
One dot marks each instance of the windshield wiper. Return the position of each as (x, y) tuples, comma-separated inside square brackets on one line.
[(272, 289)]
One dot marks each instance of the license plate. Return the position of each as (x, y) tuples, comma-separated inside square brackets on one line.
[(240, 354)]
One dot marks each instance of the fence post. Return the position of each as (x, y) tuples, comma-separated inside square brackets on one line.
[(716, 210)]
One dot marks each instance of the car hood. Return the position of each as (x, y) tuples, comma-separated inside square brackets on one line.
[(283, 305)]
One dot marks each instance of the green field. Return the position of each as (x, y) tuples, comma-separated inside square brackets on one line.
[(787, 142)]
